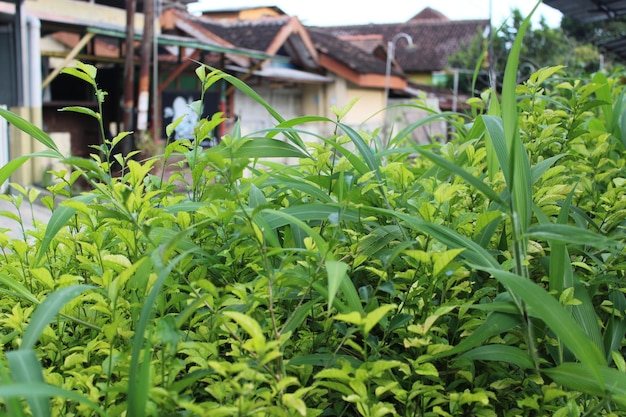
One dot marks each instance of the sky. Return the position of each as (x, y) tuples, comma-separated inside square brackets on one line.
[(354, 12)]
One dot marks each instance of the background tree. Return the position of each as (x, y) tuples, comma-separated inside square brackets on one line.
[(543, 46)]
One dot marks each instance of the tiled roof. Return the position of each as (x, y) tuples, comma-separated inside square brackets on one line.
[(429, 14), (435, 40), (348, 54), (250, 34)]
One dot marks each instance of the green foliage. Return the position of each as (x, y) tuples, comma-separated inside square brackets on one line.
[(543, 46), (479, 277)]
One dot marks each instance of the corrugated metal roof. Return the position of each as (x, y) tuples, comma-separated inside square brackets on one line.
[(286, 74), (589, 10)]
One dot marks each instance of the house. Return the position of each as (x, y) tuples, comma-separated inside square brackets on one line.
[(299, 70), (52, 35), (435, 37), (317, 70)]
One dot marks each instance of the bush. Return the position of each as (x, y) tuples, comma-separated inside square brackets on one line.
[(481, 277)]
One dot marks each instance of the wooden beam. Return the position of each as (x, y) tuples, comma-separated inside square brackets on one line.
[(193, 57), (70, 56)]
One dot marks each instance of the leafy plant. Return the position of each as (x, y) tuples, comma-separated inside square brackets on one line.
[(482, 277)]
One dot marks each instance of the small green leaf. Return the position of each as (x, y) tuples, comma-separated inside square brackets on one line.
[(82, 110), (250, 326)]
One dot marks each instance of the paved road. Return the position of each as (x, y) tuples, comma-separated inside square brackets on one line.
[(38, 213)]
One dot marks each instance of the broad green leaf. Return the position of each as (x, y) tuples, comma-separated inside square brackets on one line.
[(495, 324), (291, 218), (31, 130), (443, 259), (579, 377), (18, 288), (45, 391), (616, 326), (519, 178), (299, 185), (83, 75), (472, 252), (495, 135), (553, 314), (585, 314), (406, 132), (537, 170), (250, 326), (604, 94), (10, 167), (561, 272), (60, 216), (266, 148), (26, 369), (82, 110), (358, 164), (337, 272), (500, 353), (374, 317), (324, 360), (245, 89), (298, 316), (568, 234), (311, 212), (47, 311), (13, 405)]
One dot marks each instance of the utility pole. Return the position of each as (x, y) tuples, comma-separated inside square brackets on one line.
[(129, 78), (144, 68)]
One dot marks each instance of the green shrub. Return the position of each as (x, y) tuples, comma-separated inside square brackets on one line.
[(482, 277)]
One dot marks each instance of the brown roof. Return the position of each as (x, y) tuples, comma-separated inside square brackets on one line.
[(345, 52), (435, 40), (251, 34), (429, 14)]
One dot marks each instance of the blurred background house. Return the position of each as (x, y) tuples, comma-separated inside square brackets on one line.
[(299, 70)]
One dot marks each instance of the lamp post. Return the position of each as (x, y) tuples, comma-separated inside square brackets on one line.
[(390, 57)]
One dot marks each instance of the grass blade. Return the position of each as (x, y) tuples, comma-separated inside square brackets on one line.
[(26, 368), (337, 273), (311, 212), (500, 353), (616, 327), (567, 234), (519, 178), (495, 324), (495, 136), (10, 167), (266, 148), (59, 218), (42, 390), (47, 311), (473, 252), (364, 149), (457, 170), (553, 314), (577, 376), (31, 130)]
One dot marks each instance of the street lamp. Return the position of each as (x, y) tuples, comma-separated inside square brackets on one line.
[(390, 57)]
